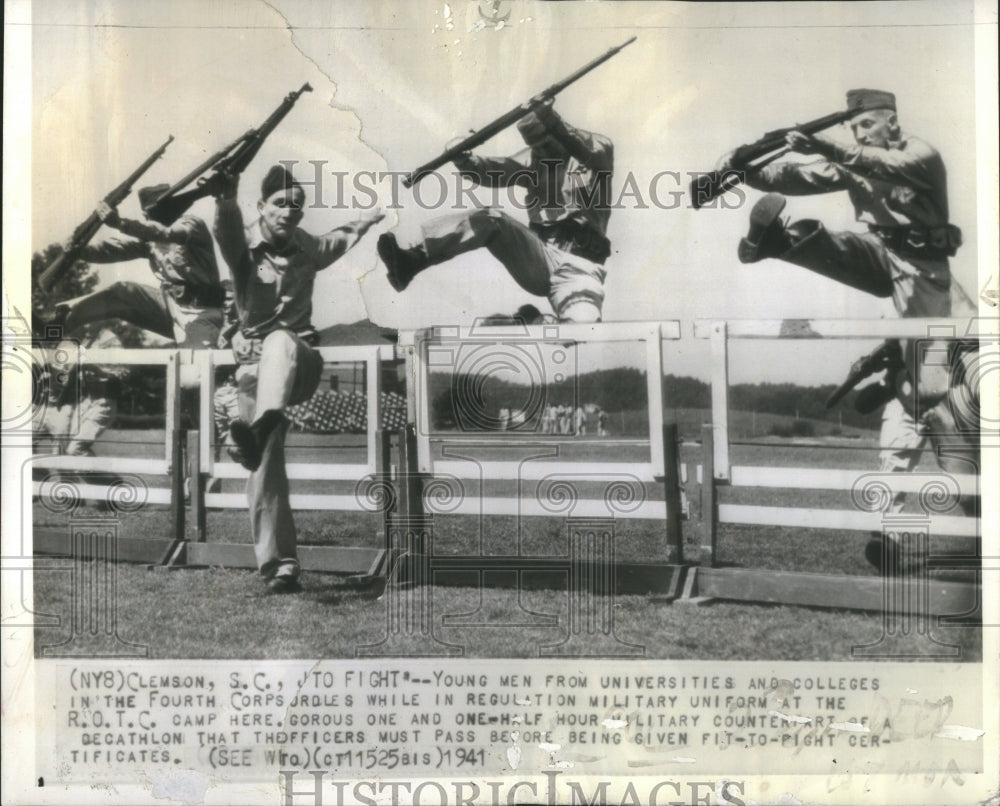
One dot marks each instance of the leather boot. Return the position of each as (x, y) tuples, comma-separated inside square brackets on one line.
[(402, 265), (251, 439), (766, 236)]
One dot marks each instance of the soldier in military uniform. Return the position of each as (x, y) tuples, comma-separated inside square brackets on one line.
[(560, 254), (897, 184), (274, 265), (187, 307)]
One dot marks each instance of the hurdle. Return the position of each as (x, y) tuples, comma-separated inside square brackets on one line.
[(194, 549), (871, 492), (129, 491), (189, 462), (432, 484)]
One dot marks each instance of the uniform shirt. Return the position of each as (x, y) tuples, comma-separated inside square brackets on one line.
[(273, 287), (899, 186), (573, 184), (182, 256)]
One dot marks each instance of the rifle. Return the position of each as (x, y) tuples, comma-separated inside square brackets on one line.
[(493, 128), (754, 156), (83, 234), (233, 160), (888, 355)]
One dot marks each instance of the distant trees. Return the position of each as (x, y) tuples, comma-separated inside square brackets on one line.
[(623, 389)]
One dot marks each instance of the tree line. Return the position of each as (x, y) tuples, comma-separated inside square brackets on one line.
[(624, 389)]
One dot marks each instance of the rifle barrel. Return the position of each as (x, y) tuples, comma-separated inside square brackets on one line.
[(507, 119), (234, 158), (88, 229)]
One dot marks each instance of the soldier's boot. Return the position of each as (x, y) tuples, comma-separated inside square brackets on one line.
[(250, 439), (401, 264), (767, 236)]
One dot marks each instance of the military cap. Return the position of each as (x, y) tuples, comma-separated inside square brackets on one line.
[(278, 178), (149, 195), (866, 100)]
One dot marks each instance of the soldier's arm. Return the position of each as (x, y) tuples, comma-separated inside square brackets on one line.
[(115, 249), (592, 150), (495, 172), (334, 244), (229, 234), (912, 163), (798, 179), (183, 231)]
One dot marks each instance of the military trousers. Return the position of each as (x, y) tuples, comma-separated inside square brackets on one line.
[(919, 286), (574, 285), (288, 373), (151, 309)]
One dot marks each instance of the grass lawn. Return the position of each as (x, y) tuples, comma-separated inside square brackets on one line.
[(225, 613)]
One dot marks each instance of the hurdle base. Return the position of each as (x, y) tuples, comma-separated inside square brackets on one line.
[(751, 585), (340, 560), (56, 543), (546, 573)]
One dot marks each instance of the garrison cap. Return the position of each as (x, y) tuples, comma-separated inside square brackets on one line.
[(866, 100), (149, 195), (278, 178)]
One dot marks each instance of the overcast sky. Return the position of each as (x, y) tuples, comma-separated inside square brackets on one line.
[(394, 82)]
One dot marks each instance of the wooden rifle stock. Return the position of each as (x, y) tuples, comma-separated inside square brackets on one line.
[(493, 128), (233, 160), (85, 232), (754, 156)]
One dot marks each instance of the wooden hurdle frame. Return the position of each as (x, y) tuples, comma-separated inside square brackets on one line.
[(189, 547), (405, 510), (421, 469), (56, 541), (821, 590)]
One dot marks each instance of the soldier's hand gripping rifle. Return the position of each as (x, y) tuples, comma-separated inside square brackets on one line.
[(480, 136), (84, 233), (888, 356), (232, 160), (754, 156)]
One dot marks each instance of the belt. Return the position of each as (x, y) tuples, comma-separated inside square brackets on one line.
[(933, 242), (576, 238)]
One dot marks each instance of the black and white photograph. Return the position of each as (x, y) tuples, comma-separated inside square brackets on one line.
[(500, 401)]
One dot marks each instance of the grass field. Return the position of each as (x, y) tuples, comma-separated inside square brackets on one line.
[(225, 613)]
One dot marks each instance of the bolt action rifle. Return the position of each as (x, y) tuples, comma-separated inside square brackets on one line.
[(754, 156), (480, 136), (232, 160), (888, 356), (84, 233)]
